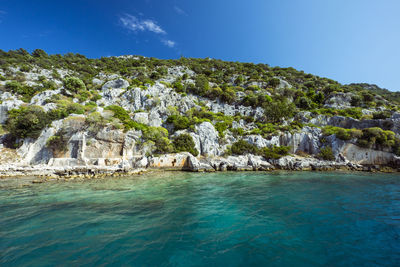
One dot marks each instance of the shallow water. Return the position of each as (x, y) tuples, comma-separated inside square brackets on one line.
[(196, 219)]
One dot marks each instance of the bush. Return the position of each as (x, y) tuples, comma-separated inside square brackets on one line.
[(276, 111), (57, 142), (158, 135), (228, 95), (341, 133), (185, 143), (378, 137), (304, 103), (326, 153), (274, 152), (27, 121), (179, 122), (201, 85), (178, 87), (274, 82), (74, 84), (242, 147), (25, 68), (382, 115)]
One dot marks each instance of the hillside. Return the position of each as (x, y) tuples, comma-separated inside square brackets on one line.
[(132, 111)]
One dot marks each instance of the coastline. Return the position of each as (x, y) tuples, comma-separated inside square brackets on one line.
[(46, 173)]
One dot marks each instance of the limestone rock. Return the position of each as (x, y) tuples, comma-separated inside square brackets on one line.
[(141, 117), (178, 161), (208, 138)]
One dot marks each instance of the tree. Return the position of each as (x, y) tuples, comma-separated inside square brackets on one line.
[(274, 82), (27, 122), (303, 103), (185, 143), (242, 147), (39, 53), (201, 84), (278, 110), (74, 84)]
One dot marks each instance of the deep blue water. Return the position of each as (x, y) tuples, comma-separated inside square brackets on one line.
[(195, 219)]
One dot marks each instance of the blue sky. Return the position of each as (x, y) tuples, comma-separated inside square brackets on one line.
[(349, 41)]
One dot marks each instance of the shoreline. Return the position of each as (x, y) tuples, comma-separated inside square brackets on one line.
[(42, 174)]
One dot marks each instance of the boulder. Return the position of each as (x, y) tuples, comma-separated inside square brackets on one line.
[(41, 98), (339, 100), (208, 139), (141, 117), (8, 103)]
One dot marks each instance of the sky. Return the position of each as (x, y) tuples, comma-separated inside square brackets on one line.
[(345, 40)]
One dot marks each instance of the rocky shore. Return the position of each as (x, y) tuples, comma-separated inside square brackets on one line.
[(181, 162), (178, 117)]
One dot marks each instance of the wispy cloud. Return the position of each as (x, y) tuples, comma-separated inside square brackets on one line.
[(138, 24), (2, 14), (168, 43), (134, 24), (180, 11)]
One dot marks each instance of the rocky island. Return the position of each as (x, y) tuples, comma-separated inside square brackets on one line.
[(71, 116)]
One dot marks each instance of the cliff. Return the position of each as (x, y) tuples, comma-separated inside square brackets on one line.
[(199, 115)]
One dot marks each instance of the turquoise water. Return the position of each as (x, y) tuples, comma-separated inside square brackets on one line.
[(195, 219)]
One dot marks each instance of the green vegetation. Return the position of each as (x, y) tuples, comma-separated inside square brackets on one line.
[(235, 83), (326, 153), (27, 122), (373, 137), (242, 147), (278, 110), (341, 133), (184, 142), (274, 152), (57, 142)]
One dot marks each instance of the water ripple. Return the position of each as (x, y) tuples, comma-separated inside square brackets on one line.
[(185, 219)]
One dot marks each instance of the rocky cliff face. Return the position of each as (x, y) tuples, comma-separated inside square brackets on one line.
[(103, 138)]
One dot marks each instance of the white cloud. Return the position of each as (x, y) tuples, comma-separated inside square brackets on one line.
[(180, 11), (168, 43), (2, 13), (134, 24)]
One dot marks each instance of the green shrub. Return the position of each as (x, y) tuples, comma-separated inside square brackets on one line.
[(326, 153), (185, 143), (242, 147), (74, 84), (57, 142), (278, 110), (382, 115), (304, 103), (274, 152), (201, 85), (178, 87), (377, 136), (179, 122), (27, 121), (341, 133), (221, 127), (25, 68), (158, 135), (274, 82)]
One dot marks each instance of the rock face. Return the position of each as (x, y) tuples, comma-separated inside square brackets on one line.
[(339, 100), (207, 140), (105, 146), (35, 151), (41, 98), (179, 161), (307, 140), (8, 102)]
